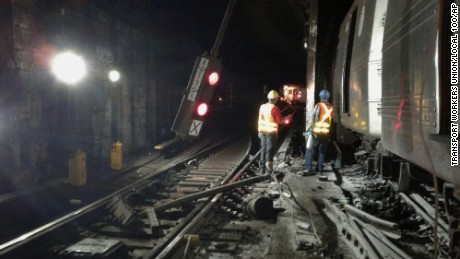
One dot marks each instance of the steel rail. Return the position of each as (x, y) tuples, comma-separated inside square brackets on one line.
[(232, 177), (170, 237), (427, 218), (389, 228), (382, 249), (381, 242), (209, 192), (429, 209), (33, 234), (347, 230)]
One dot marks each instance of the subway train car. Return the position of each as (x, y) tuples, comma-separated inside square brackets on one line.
[(357, 76), (294, 94), (391, 86)]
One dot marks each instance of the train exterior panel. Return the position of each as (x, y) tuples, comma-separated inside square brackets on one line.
[(411, 88), (339, 76), (357, 89)]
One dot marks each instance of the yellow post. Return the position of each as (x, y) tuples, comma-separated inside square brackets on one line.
[(77, 169), (116, 156)]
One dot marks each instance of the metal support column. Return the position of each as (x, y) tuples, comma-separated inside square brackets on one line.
[(223, 28), (312, 13)]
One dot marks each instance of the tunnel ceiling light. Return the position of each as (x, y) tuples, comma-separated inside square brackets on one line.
[(114, 76), (68, 67)]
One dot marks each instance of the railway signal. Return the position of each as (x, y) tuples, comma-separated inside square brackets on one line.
[(213, 78), (202, 109), (195, 104), (196, 101), (212, 75)]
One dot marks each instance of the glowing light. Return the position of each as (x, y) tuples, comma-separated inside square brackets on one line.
[(220, 99), (68, 67), (114, 76), (202, 109), (213, 78)]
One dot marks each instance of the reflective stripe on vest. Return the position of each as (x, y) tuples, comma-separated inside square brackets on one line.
[(267, 123), (324, 123)]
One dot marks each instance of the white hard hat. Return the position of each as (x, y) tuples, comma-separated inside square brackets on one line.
[(273, 94)]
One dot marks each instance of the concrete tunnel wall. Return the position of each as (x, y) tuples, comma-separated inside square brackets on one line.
[(42, 121)]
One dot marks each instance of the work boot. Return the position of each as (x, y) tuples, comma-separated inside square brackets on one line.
[(261, 168), (306, 172), (269, 167)]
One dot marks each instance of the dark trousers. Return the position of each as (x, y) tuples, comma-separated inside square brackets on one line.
[(321, 145), (267, 146)]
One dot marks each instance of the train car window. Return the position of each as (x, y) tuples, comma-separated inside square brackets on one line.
[(346, 83)]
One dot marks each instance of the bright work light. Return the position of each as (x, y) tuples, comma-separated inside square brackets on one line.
[(68, 67), (114, 76)]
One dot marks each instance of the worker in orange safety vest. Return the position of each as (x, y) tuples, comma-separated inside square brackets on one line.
[(268, 124), (317, 135)]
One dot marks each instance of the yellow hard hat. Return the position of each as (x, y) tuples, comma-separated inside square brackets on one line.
[(273, 94)]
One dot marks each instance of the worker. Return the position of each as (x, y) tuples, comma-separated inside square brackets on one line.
[(269, 120), (317, 135)]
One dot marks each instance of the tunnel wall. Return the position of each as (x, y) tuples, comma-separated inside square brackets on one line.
[(43, 121)]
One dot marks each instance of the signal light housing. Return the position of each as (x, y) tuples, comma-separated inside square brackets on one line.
[(194, 107)]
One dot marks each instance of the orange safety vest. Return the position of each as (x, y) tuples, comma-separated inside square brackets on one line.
[(267, 123), (322, 126)]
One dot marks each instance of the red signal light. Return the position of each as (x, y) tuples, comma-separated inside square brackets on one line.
[(202, 109), (213, 78)]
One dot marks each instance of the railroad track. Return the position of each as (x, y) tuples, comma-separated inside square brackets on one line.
[(376, 221), (203, 195), (34, 207), (141, 219)]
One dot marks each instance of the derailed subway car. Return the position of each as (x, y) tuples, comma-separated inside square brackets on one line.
[(415, 101), (357, 75), (391, 85)]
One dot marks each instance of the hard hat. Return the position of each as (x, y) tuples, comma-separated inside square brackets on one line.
[(273, 94), (324, 94)]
